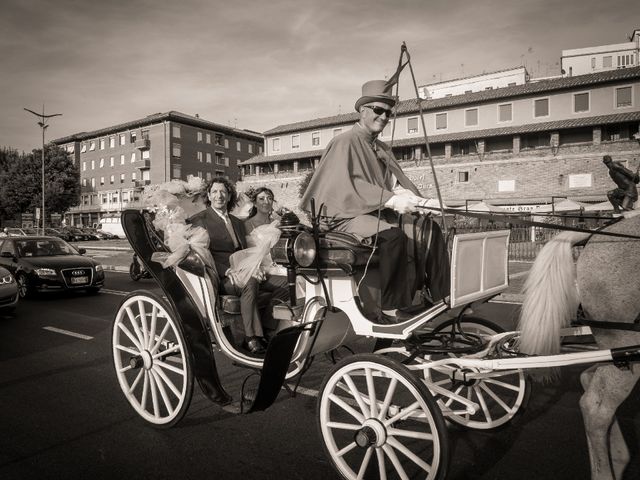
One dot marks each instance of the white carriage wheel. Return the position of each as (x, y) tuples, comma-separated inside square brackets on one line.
[(378, 420), (151, 359), (499, 393)]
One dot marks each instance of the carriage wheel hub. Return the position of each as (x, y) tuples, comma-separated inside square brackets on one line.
[(372, 433)]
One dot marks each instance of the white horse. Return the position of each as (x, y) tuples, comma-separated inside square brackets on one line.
[(608, 288)]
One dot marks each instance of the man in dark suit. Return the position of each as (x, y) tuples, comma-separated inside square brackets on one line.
[(227, 235)]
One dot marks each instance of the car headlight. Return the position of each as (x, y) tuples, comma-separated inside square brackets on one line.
[(6, 279), (99, 268), (45, 272), (304, 249)]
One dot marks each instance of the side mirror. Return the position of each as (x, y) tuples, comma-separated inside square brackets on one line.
[(82, 251)]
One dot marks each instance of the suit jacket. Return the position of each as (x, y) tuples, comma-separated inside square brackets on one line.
[(220, 242)]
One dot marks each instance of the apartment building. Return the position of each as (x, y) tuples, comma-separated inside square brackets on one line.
[(516, 146), (580, 61), (476, 83), (116, 162)]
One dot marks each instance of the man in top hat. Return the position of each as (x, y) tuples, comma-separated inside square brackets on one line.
[(361, 190)]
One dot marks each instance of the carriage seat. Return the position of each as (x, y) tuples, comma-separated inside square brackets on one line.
[(344, 251)]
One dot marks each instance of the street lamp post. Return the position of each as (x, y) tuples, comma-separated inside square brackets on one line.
[(43, 125)]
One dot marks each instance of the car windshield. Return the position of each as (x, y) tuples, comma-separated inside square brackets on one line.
[(44, 247)]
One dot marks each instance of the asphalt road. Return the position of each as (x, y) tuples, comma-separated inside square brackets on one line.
[(62, 414)]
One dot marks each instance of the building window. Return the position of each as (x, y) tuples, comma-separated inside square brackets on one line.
[(101, 180), (111, 162), (84, 182), (315, 139), (441, 121), (580, 102), (593, 62), (102, 144), (471, 117), (226, 143), (84, 148), (199, 174), (101, 162), (200, 157), (208, 157), (209, 176), (177, 150), (295, 141), (133, 136), (337, 131), (541, 107), (218, 140), (92, 146), (219, 158), (122, 159), (93, 183), (238, 146), (412, 125), (112, 142), (207, 138), (623, 97), (607, 61), (104, 199), (93, 164), (250, 146), (505, 112), (463, 177), (133, 157), (84, 166), (176, 171), (276, 145), (199, 136), (123, 139), (576, 135), (133, 176), (146, 154), (176, 131), (112, 179), (122, 178)]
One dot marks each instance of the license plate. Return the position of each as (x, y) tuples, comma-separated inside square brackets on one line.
[(79, 280)]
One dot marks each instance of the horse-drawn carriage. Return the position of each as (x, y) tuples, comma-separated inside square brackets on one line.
[(380, 414)]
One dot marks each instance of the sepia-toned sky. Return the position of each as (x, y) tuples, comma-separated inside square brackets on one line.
[(260, 64)]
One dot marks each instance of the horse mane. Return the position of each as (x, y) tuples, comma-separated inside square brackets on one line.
[(550, 296)]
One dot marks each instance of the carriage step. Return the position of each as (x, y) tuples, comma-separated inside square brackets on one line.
[(284, 311)]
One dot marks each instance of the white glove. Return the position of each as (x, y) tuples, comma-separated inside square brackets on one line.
[(403, 203)]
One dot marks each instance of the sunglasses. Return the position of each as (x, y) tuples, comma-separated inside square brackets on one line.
[(379, 110)]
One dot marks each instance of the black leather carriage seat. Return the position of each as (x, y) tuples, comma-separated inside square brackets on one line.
[(341, 253)]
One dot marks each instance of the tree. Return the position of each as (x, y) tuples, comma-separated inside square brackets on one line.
[(23, 182), (8, 158)]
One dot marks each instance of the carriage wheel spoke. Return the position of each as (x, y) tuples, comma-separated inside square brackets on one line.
[(136, 381), (154, 394), (409, 454), (143, 322), (365, 463), (351, 411), (451, 399), (163, 392), (346, 449), (136, 328), (126, 368), (160, 339), (152, 328), (396, 463), (168, 351), (159, 373), (496, 398), (145, 390), (483, 404), (134, 340), (343, 426), (371, 389), (382, 467), (403, 413), (397, 432), (515, 388), (391, 390), (171, 368), (357, 395), (127, 349)]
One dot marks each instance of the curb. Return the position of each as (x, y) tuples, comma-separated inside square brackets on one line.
[(113, 249), (115, 268)]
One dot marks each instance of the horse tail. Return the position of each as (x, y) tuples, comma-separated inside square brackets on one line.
[(550, 296)]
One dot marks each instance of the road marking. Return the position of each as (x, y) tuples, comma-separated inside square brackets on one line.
[(114, 292), (506, 302), (306, 391), (67, 332)]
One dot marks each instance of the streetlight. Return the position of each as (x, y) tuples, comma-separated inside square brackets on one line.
[(43, 125)]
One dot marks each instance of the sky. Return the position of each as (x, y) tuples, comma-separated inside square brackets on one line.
[(259, 64)]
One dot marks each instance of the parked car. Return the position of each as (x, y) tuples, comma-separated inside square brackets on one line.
[(102, 235), (8, 292), (76, 234), (49, 263), (90, 233), (19, 232), (55, 232)]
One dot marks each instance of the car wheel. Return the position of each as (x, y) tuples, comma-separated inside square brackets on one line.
[(24, 290)]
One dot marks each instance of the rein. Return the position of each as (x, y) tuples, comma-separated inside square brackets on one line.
[(531, 223)]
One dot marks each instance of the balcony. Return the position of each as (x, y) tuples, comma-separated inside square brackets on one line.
[(87, 189), (141, 183), (142, 144), (143, 164)]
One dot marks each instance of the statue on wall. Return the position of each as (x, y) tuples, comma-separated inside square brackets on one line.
[(623, 197)]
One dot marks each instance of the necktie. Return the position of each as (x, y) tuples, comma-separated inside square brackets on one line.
[(232, 233)]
